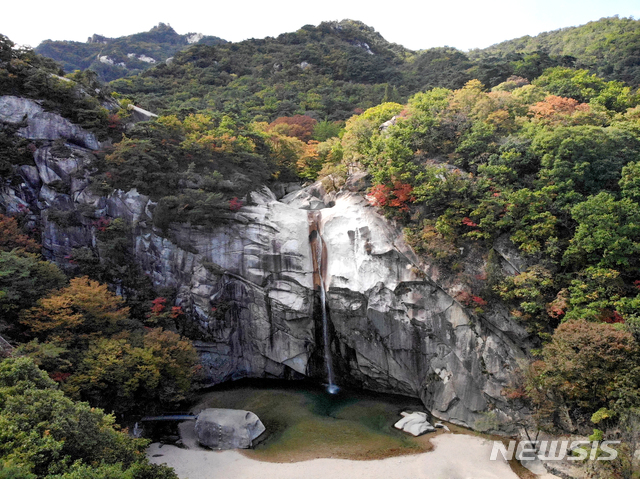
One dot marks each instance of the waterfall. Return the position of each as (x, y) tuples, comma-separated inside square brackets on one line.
[(319, 255)]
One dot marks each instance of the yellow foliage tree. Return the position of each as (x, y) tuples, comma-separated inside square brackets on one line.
[(83, 308)]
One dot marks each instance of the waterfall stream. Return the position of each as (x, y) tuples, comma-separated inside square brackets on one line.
[(318, 253)]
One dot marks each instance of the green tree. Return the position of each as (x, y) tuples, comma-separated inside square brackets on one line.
[(608, 232), (24, 279), (361, 130), (585, 87), (44, 433), (326, 129), (120, 375)]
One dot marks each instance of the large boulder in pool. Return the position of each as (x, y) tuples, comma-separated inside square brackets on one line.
[(228, 428)]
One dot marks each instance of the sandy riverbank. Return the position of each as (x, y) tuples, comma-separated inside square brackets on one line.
[(456, 456)]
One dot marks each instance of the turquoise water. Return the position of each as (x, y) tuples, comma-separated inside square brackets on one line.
[(304, 421)]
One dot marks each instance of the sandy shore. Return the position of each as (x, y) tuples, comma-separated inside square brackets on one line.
[(456, 456)]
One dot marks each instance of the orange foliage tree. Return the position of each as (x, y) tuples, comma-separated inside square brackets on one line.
[(556, 110), (82, 309), (298, 126), (309, 163), (586, 366), (11, 237)]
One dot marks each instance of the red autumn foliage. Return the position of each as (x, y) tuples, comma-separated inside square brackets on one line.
[(402, 193), (102, 223), (470, 300), (559, 305), (554, 311), (468, 222), (235, 204), (159, 304), (59, 377), (514, 394), (176, 311), (298, 126), (379, 195), (478, 300), (399, 197), (613, 318), (113, 122), (70, 259)]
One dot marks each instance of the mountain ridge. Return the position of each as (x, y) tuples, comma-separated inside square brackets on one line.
[(117, 57)]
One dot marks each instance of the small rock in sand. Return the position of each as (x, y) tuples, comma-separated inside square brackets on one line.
[(414, 423)]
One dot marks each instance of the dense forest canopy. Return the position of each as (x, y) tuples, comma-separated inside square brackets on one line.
[(535, 141), (331, 69), (609, 47)]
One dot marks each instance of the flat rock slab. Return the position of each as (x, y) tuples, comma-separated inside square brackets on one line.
[(414, 423), (228, 428)]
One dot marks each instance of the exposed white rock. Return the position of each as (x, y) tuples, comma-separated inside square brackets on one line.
[(41, 124), (394, 330), (363, 45), (388, 123), (142, 57), (146, 59), (110, 61), (194, 37), (415, 423), (140, 114)]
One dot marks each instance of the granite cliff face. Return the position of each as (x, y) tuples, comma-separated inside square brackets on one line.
[(394, 322)]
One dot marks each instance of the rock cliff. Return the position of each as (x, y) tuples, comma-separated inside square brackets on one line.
[(395, 324)]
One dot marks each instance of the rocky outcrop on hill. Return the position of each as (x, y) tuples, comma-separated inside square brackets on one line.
[(114, 58), (41, 124), (395, 324)]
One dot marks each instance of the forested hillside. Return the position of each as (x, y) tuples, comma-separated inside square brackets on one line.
[(609, 47), (326, 72), (533, 143), (334, 68)]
